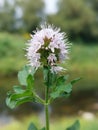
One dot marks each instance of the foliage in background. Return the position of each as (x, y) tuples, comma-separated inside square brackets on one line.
[(78, 18), (32, 13), (20, 16), (56, 124), (7, 17), (75, 126), (11, 53), (83, 60)]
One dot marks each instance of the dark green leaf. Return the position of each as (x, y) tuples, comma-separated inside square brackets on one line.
[(30, 82), (49, 78), (32, 127), (16, 99), (24, 100), (53, 79), (75, 80), (21, 95), (45, 72), (65, 95), (43, 128), (62, 90), (61, 80), (13, 103), (75, 126), (9, 93)]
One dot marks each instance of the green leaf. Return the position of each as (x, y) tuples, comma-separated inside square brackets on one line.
[(32, 127), (67, 88), (61, 80), (10, 103), (62, 90), (75, 80), (75, 126), (13, 103), (21, 95), (16, 99), (43, 128), (53, 78), (23, 74), (55, 94), (45, 72), (30, 82), (18, 89)]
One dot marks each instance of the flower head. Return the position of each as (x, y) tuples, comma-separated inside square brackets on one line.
[(47, 47)]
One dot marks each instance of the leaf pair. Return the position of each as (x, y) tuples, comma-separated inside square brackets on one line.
[(33, 127), (75, 126), (20, 95), (62, 89)]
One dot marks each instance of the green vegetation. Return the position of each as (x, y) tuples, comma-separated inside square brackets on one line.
[(83, 62), (56, 124), (20, 16), (78, 20), (11, 53)]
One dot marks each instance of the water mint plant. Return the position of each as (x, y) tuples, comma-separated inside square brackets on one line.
[(47, 49)]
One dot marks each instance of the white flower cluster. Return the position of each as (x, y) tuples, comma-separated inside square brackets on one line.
[(48, 46)]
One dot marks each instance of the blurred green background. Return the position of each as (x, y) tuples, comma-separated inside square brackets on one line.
[(79, 19)]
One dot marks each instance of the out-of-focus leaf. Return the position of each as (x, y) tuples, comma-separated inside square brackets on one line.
[(75, 80), (43, 128), (67, 88), (55, 94), (75, 126), (32, 127)]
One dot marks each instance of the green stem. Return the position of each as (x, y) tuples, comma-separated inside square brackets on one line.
[(46, 108)]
